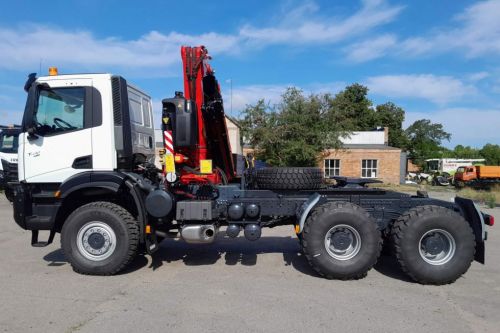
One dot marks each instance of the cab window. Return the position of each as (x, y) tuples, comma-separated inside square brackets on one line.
[(146, 110), (8, 143), (60, 110), (134, 102)]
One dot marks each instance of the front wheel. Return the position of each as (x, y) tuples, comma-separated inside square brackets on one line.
[(341, 241), (434, 245), (100, 238)]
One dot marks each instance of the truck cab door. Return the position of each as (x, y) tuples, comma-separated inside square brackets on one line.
[(60, 142)]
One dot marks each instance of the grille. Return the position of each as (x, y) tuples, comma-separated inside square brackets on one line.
[(117, 108), (10, 171)]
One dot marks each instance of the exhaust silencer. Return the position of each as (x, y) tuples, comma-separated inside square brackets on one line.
[(198, 233)]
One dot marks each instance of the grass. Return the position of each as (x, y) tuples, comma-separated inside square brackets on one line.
[(490, 198), (411, 187)]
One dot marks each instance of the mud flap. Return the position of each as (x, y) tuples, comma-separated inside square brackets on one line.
[(151, 242)]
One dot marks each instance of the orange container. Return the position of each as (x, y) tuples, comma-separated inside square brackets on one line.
[(487, 171)]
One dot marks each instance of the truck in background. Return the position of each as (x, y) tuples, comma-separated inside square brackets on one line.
[(440, 171), (449, 165), (9, 141), (477, 176)]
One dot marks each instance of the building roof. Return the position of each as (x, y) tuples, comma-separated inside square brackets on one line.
[(233, 120), (369, 146), (365, 137)]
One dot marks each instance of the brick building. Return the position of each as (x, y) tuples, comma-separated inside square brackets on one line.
[(366, 155)]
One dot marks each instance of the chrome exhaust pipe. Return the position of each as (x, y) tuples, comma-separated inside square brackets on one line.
[(199, 233)]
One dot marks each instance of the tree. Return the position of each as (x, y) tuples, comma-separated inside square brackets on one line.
[(491, 153), (295, 131), (425, 140), (352, 107), (465, 152), (392, 116)]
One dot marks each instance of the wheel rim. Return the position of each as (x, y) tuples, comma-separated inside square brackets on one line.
[(96, 241), (437, 247), (342, 242)]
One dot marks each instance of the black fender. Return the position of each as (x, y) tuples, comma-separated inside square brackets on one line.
[(113, 181), (110, 180), (473, 215)]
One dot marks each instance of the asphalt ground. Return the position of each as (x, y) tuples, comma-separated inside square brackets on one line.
[(234, 286)]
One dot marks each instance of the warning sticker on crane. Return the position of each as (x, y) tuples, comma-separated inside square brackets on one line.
[(206, 166), (169, 163), (169, 142)]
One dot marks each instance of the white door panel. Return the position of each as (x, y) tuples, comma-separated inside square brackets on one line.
[(49, 159)]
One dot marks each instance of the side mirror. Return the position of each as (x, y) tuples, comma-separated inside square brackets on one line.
[(29, 81), (32, 132)]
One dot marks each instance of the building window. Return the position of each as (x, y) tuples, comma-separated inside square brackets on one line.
[(332, 168), (369, 168)]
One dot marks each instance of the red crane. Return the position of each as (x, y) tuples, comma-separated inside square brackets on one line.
[(197, 122)]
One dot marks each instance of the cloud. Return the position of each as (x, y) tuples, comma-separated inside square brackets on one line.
[(478, 76), (303, 25), (463, 132), (247, 95), (23, 48), (476, 34), (437, 89), (370, 49)]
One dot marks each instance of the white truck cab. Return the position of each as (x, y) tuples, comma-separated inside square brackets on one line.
[(81, 135), (74, 123)]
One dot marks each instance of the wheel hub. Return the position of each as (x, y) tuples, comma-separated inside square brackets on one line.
[(434, 244), (342, 242), (96, 241), (437, 247)]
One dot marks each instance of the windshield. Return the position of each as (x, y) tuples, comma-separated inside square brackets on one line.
[(461, 169), (8, 143)]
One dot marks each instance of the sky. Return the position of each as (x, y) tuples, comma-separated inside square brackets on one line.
[(438, 60)]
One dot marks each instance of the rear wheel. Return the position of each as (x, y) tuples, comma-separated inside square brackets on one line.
[(100, 238), (434, 245), (341, 241)]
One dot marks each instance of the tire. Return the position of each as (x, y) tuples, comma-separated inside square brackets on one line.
[(9, 194), (92, 223), (289, 178), (409, 234), (341, 217)]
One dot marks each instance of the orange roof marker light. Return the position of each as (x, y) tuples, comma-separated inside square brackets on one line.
[(52, 71)]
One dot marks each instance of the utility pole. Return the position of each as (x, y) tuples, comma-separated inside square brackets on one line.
[(230, 81)]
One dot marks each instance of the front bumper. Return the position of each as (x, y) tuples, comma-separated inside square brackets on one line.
[(31, 215)]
